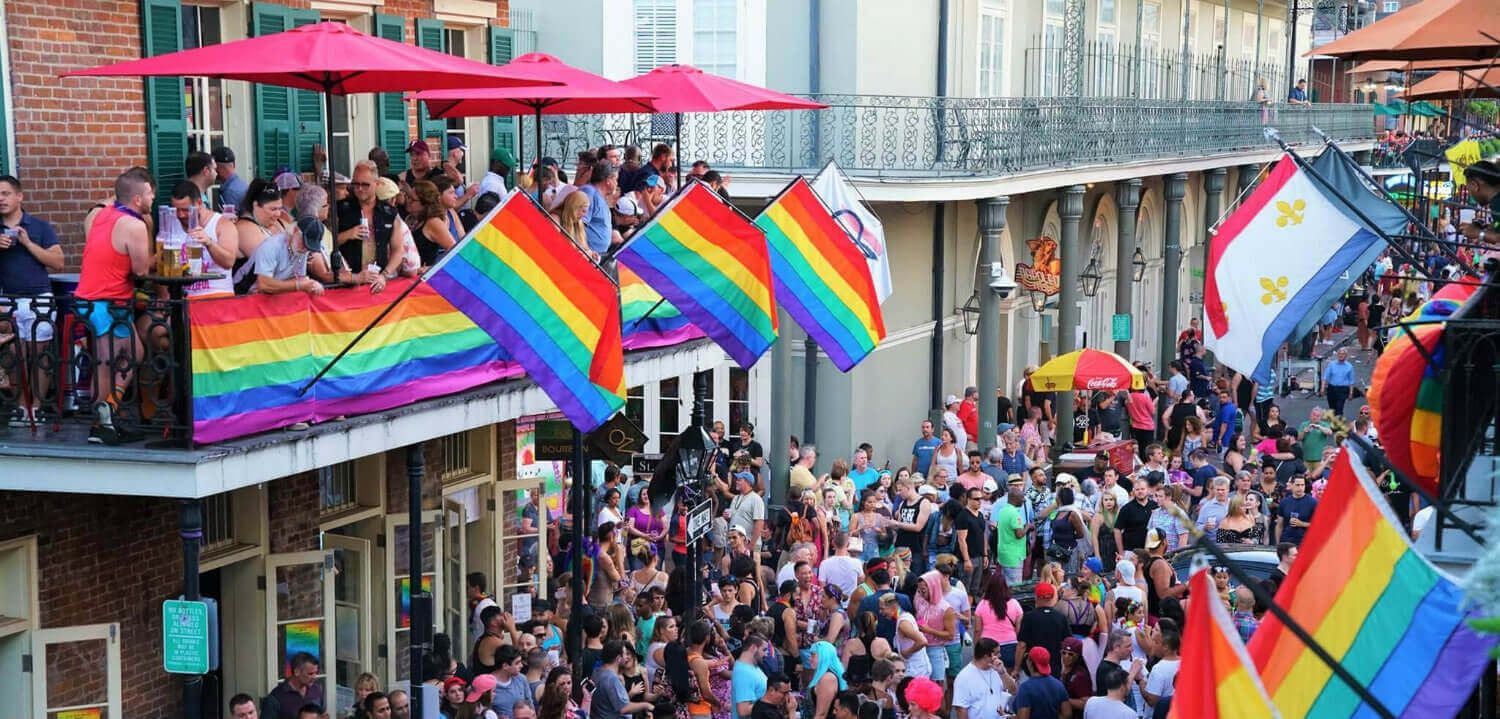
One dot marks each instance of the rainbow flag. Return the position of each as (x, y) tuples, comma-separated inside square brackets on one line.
[(711, 264), (821, 275), (1396, 622), (523, 282), (1216, 679), (252, 354), (647, 319)]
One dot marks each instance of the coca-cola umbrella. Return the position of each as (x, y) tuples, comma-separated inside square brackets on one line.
[(328, 57), (684, 88), (578, 92), (1087, 369)]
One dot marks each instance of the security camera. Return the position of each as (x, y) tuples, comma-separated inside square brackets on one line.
[(1001, 283)]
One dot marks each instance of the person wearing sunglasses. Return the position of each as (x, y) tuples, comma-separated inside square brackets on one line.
[(369, 234)]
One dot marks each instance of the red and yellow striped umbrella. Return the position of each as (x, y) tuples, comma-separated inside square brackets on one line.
[(1088, 370)]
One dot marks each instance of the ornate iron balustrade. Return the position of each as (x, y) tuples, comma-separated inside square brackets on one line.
[(915, 137), (50, 359), (1115, 69)]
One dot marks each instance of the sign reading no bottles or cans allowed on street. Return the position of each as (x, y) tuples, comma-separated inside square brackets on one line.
[(1120, 328), (184, 633)]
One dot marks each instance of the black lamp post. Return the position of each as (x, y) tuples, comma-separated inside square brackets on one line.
[(1090, 278), (1137, 266)]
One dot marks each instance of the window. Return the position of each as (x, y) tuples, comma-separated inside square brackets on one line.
[(457, 127), (1247, 35), (1052, 47), (670, 406), (992, 29), (715, 49), (635, 405), (739, 399), (466, 458), (336, 488), (1390, 6), (708, 398), (655, 34), (455, 454), (1220, 21), (203, 97), (1275, 36), (1107, 13), (234, 527), (218, 529)]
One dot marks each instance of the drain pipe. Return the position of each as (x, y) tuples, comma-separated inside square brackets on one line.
[(939, 312)]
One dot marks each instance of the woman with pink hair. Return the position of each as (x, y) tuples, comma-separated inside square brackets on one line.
[(924, 698), (937, 620)]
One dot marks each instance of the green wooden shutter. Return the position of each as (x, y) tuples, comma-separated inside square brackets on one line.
[(307, 108), (430, 36), (273, 105), (166, 111), (391, 128), (503, 129)]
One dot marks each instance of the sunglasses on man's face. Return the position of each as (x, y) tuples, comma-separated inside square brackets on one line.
[(362, 184)]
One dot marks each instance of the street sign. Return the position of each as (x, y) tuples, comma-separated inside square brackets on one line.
[(617, 440), (699, 519), (554, 440), (184, 634), (644, 465), (1120, 328)]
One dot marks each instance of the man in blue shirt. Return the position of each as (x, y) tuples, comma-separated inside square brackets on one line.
[(1225, 419), (1295, 512), (747, 682), (28, 251), (1298, 95), (231, 186), (862, 474), (1338, 378), (603, 183), (921, 451)]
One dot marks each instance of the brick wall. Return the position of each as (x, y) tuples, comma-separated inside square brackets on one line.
[(74, 135), (104, 559), (292, 511)]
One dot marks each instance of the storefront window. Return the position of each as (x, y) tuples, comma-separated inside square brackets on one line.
[(739, 399)]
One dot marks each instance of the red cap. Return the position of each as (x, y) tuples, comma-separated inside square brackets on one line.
[(1045, 590), (1042, 659)]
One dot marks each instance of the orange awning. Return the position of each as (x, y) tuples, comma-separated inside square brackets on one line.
[(1407, 65), (1446, 85), (1430, 30)]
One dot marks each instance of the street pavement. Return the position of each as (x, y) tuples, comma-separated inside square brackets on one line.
[(1296, 406)]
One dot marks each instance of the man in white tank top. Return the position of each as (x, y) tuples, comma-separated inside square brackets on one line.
[(219, 241)]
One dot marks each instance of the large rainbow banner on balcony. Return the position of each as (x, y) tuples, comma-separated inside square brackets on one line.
[(821, 275), (711, 264), (647, 319), (1398, 623), (522, 281), (252, 354)]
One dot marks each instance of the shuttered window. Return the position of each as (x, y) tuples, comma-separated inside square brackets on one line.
[(287, 122), (166, 115), (655, 34), (430, 36), (391, 126), (503, 129)]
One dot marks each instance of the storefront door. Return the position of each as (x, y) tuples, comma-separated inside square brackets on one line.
[(351, 612), (398, 575), (300, 614), (85, 664)]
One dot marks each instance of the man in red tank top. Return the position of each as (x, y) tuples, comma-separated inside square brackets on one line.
[(118, 246)]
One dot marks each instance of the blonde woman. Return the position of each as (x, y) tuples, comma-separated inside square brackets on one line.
[(570, 213), (1102, 528), (1238, 527)]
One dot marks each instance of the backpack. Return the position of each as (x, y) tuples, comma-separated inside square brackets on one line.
[(799, 530)]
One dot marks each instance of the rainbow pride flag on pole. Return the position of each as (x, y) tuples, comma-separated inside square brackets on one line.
[(1395, 621), (711, 264), (821, 275), (647, 319), (530, 288), (251, 354), (1217, 680)]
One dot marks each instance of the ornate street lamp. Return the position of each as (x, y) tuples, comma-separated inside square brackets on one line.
[(1137, 266), (1090, 278), (682, 477), (970, 311), (1038, 300)]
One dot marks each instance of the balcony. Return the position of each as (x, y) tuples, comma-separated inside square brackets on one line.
[(896, 137)]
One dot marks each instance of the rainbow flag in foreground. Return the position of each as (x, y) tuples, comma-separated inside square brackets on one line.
[(822, 276), (1217, 680), (1387, 614), (646, 319), (523, 282), (252, 354), (711, 264)]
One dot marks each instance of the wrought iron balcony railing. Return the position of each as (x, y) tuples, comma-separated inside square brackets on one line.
[(915, 137)]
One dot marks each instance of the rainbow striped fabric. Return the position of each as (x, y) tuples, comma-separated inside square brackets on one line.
[(821, 275), (647, 319), (252, 354), (711, 264), (1216, 679), (525, 284), (1395, 621)]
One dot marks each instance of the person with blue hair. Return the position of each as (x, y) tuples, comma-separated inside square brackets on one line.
[(827, 679)]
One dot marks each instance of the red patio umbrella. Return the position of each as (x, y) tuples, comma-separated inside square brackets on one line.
[(684, 88), (328, 57), (1457, 85), (579, 92)]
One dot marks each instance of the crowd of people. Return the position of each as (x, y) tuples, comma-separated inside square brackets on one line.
[(282, 234)]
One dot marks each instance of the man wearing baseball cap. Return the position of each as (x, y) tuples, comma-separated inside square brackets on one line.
[(419, 156), (1010, 529), (231, 186), (1042, 695), (1043, 627)]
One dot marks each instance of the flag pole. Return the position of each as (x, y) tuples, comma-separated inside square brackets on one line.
[(359, 337), (1203, 542), (1332, 191)]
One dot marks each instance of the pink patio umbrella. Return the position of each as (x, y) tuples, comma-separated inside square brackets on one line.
[(577, 92)]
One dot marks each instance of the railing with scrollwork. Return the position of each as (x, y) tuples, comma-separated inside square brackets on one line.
[(55, 373), (915, 137)]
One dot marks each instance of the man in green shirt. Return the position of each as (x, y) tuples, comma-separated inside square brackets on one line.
[(1315, 436), (1010, 530)]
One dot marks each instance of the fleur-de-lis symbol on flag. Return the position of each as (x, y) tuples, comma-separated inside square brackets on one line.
[(1275, 290), (1291, 212)]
